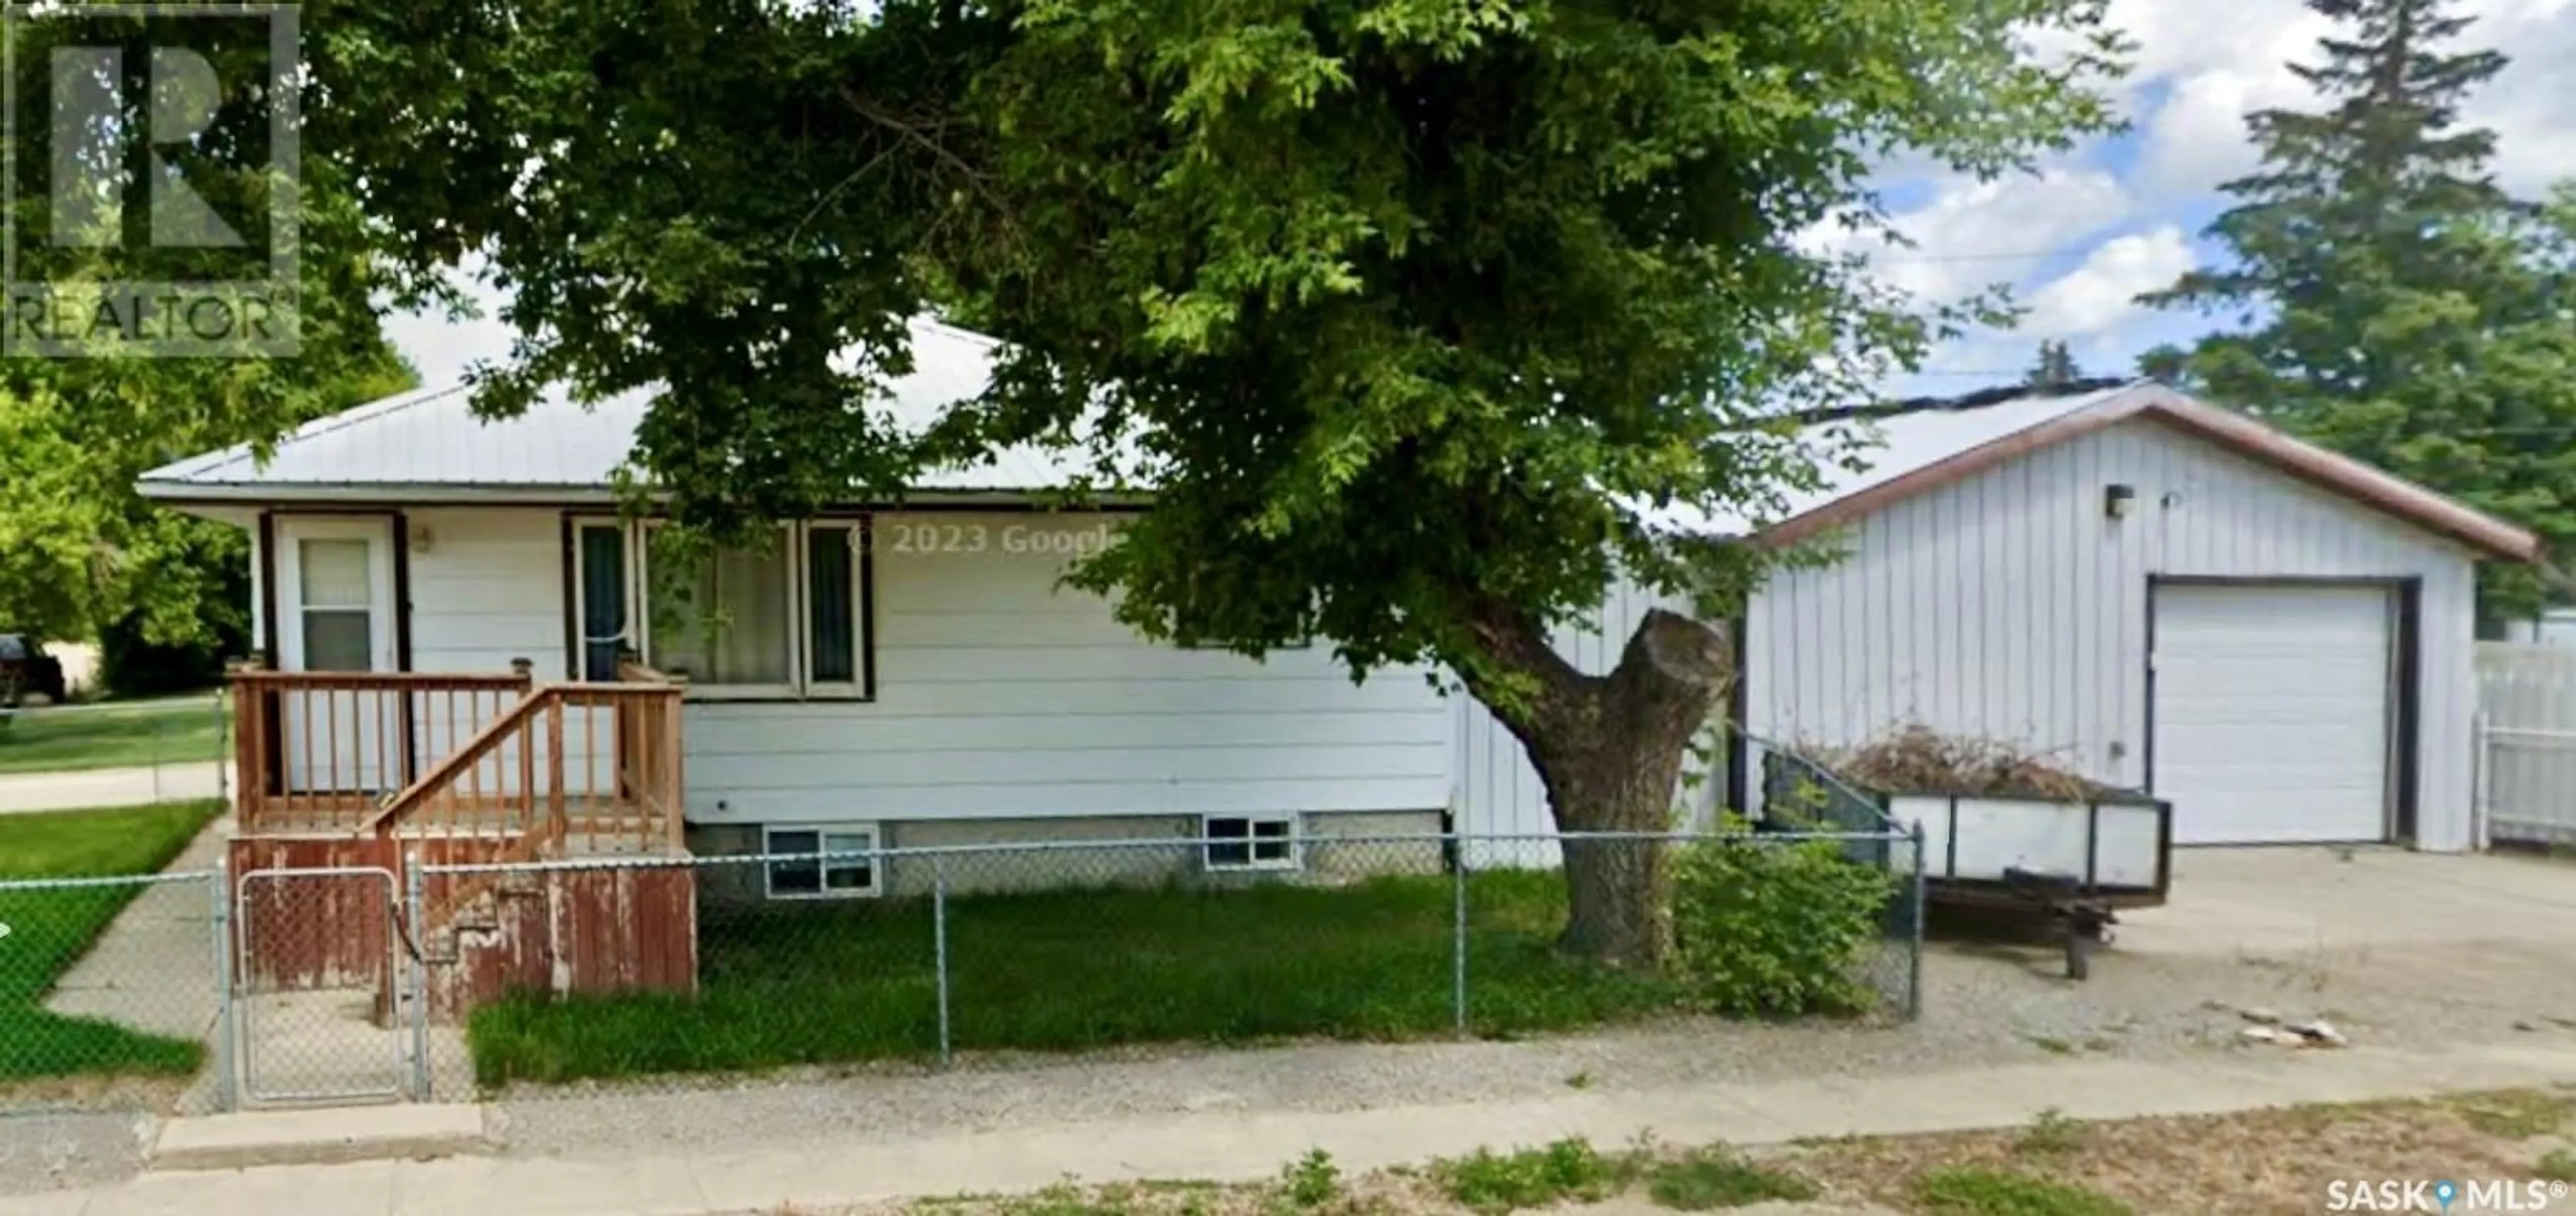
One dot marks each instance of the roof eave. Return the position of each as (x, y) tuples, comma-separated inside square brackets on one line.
[(343, 494)]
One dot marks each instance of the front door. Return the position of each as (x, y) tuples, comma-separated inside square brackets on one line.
[(335, 613)]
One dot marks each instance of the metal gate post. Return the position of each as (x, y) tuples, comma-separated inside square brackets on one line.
[(417, 951), (2481, 782), (1914, 960), (227, 1096), (1458, 932), (939, 944)]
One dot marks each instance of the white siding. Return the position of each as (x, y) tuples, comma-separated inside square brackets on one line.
[(1001, 695), (486, 588), (2008, 606), (998, 695)]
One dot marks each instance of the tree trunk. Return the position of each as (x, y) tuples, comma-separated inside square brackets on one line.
[(1610, 749)]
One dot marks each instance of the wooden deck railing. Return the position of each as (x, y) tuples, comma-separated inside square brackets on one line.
[(556, 768), (585, 768), (316, 751)]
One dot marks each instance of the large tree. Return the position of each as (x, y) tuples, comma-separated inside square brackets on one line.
[(1419, 315), (2388, 298)]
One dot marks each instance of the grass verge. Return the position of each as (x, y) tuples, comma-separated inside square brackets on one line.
[(1062, 970), (1982, 1191), (2277, 1161), (1713, 1178), (182, 730), (51, 928)]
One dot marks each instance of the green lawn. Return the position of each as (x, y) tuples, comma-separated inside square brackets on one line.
[(1063, 970), (178, 730), (50, 929)]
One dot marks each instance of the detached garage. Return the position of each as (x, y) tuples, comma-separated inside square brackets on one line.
[(2154, 592)]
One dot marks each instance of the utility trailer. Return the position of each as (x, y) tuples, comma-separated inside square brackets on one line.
[(2076, 864)]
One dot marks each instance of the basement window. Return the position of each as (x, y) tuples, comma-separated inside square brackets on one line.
[(846, 867), (1251, 842)]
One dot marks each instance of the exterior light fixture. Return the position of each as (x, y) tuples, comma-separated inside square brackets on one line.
[(2117, 499)]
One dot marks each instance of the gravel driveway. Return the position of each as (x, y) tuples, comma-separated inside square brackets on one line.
[(2394, 948)]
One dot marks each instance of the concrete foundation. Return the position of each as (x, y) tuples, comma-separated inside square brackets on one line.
[(1333, 846)]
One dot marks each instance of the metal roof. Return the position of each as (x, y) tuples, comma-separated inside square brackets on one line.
[(430, 441), (429, 446), (1858, 453)]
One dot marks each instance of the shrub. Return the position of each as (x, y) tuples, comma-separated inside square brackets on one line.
[(1771, 929), (1494, 1183), (1313, 1180)]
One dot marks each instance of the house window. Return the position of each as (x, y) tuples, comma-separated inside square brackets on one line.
[(337, 603), (838, 862), (786, 618), (602, 614), (1251, 842)]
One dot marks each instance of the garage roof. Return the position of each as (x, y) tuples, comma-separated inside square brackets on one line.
[(429, 446), (1920, 449)]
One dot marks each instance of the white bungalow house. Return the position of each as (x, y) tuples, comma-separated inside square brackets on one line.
[(882, 678)]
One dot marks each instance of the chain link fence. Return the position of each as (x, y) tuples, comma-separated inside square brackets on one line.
[(846, 958), (111, 904), (195, 990), (116, 753), (111, 993)]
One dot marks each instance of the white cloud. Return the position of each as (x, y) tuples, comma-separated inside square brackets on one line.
[(2102, 293), (1977, 233)]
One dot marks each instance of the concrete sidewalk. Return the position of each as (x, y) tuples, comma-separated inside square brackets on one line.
[(1253, 1146), (66, 791)]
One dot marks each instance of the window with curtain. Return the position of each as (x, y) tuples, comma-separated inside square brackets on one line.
[(603, 599), (832, 603), (781, 619)]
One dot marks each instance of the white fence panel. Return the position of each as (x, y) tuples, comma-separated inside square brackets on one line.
[(2527, 760)]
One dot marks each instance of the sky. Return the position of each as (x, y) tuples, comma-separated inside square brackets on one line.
[(2078, 239)]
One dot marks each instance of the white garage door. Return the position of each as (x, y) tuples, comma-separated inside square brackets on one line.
[(2272, 712)]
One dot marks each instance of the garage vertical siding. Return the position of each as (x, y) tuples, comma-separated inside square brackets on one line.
[(2009, 606)]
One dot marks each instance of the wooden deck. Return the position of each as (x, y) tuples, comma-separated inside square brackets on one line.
[(345, 775), (412, 755)]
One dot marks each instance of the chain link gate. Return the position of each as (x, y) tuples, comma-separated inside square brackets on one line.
[(323, 991)]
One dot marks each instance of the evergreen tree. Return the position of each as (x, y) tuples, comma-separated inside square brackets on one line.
[(2392, 302), (2055, 366)]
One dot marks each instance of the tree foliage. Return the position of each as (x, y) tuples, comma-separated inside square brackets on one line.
[(79, 550), (1415, 313), (2390, 299)]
